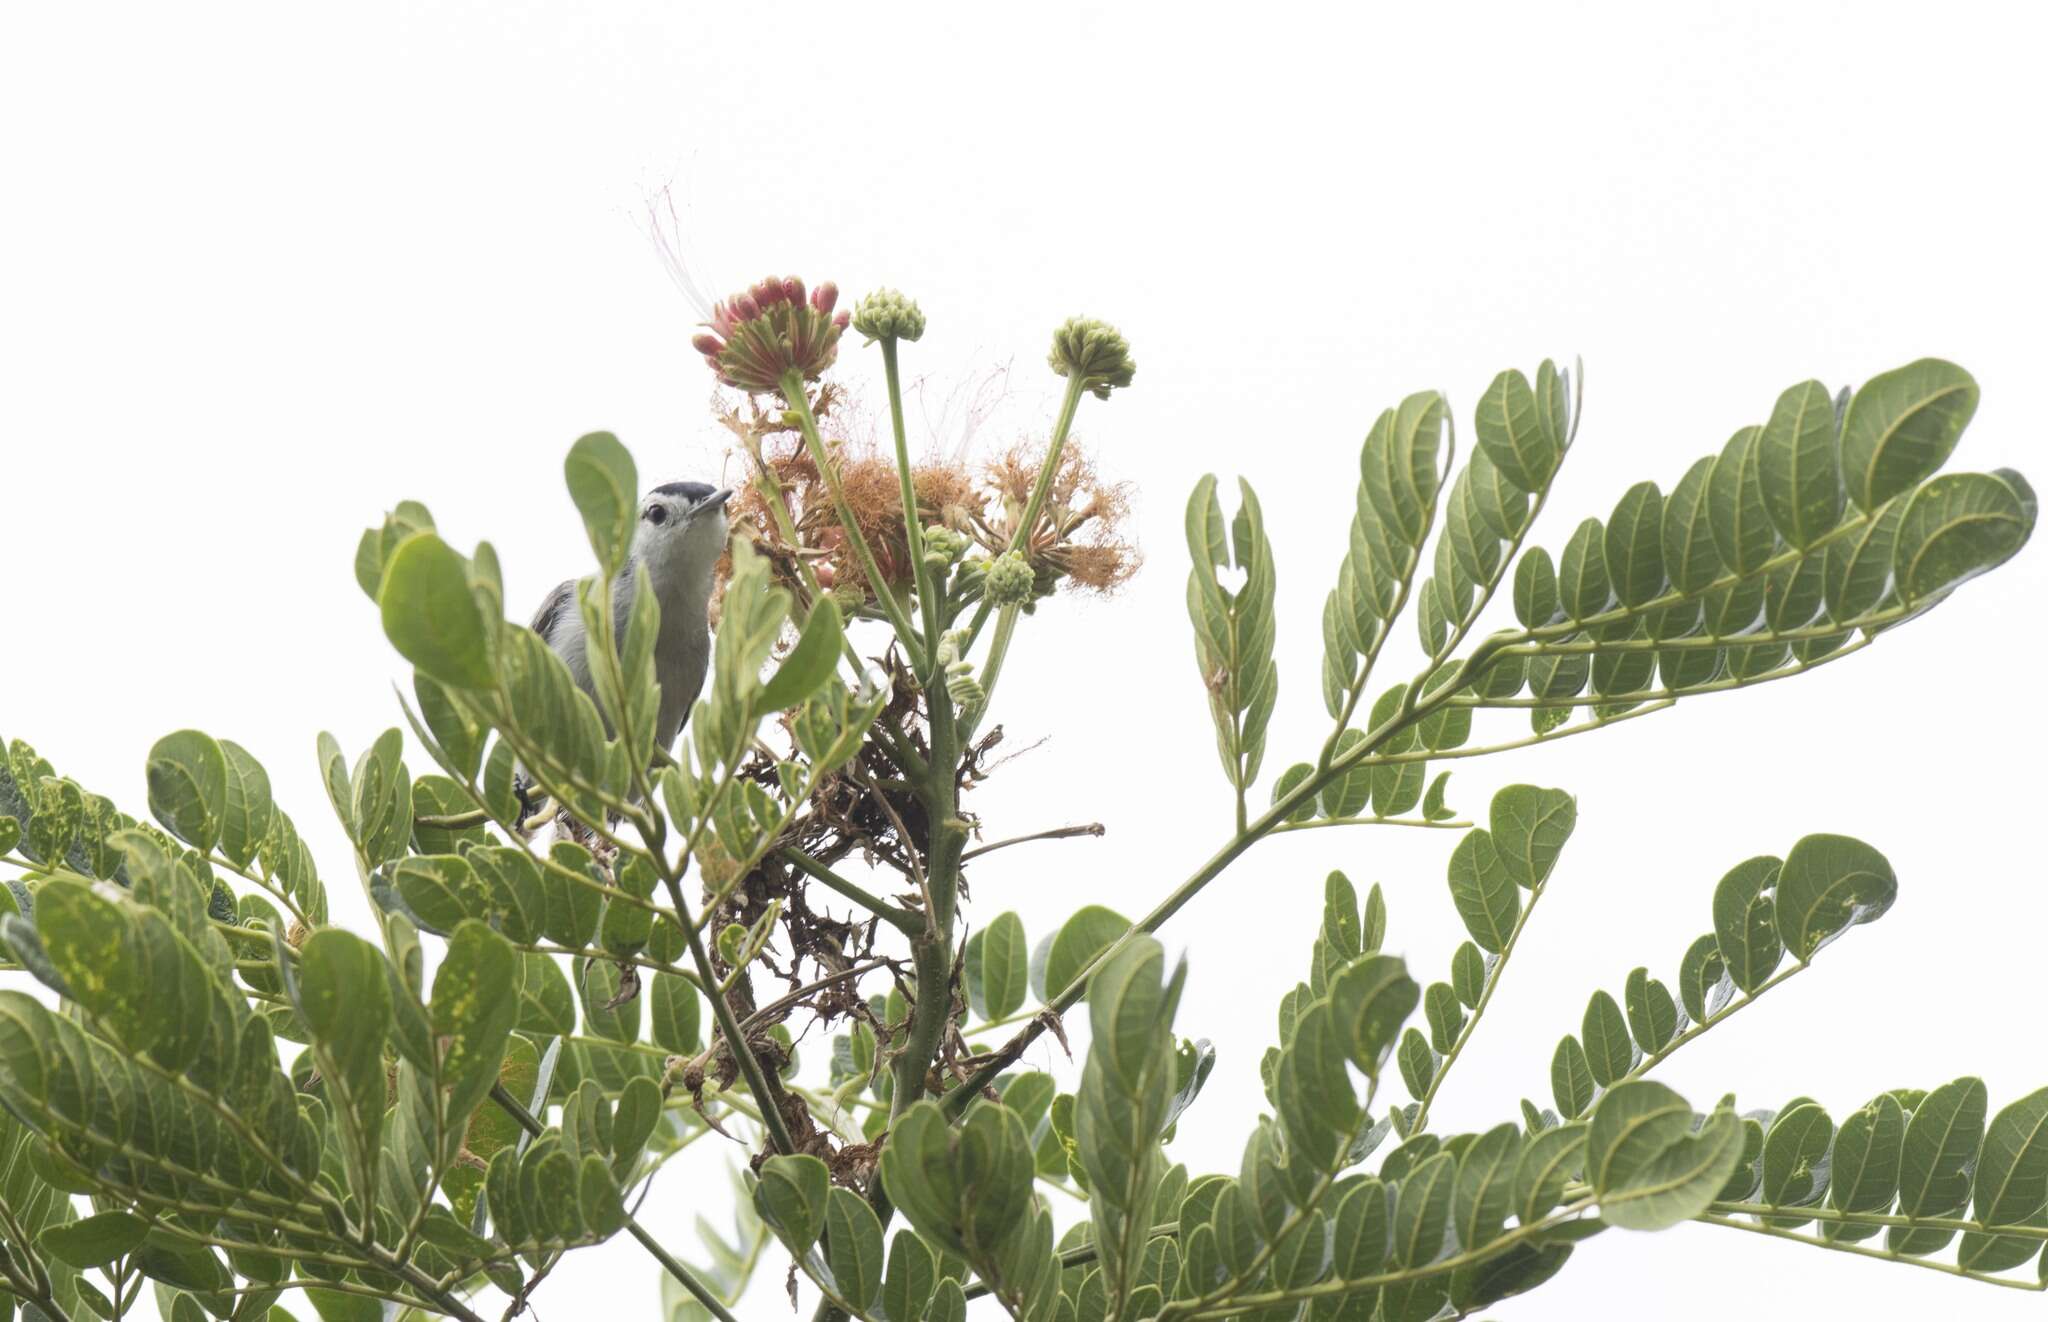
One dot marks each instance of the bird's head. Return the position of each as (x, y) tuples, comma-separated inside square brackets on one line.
[(682, 531)]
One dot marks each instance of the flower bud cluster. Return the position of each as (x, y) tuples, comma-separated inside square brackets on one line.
[(1094, 352), (757, 337), (887, 315), (1011, 580)]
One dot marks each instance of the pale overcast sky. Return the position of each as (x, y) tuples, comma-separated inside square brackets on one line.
[(267, 269)]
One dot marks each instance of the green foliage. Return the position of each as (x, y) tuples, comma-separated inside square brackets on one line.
[(206, 1087), (1234, 631)]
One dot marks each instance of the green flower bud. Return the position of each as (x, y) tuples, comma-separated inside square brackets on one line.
[(887, 315), (961, 685), (1011, 581), (942, 545), (1094, 352), (849, 597)]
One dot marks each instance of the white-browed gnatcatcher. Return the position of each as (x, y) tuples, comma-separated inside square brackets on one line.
[(679, 541)]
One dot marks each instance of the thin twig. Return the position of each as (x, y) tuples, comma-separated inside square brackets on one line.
[(809, 989), (1865, 1251), (1057, 833)]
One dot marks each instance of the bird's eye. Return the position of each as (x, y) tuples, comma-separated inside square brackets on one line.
[(656, 514)]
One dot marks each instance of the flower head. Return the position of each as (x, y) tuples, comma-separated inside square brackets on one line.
[(887, 315), (1093, 352), (1011, 580), (757, 336)]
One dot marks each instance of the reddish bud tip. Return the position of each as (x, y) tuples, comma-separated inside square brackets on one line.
[(825, 296), (708, 344)]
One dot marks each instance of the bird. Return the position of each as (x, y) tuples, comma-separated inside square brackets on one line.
[(679, 539)]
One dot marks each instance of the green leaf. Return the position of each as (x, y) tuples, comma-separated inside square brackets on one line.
[(1859, 565), (1609, 1052), (1656, 1172), (246, 810), (1484, 891), (1865, 1163), (1371, 999), (1486, 1185), (1958, 526), (1502, 508), (1234, 631), (1289, 780), (1582, 583), (1743, 535), (1634, 1122), (1936, 1167), (1346, 795), (1363, 1223), (606, 488), (1422, 1211), (546, 1006), (472, 1012), (999, 968), (344, 997), (1801, 480), (1571, 1078), (1549, 1161), (94, 1240), (810, 663), (188, 787), (1433, 807), (1444, 1015), (1795, 1152), (675, 1014), (917, 1171), (949, 1303), (2012, 1184), (1690, 556), (1092, 930), (1468, 974), (912, 1273), (1632, 545), (1828, 884), (1512, 433), (1536, 602), (1901, 426), (432, 617), (442, 890), (791, 1199), (1745, 921), (1530, 827), (1652, 1016)]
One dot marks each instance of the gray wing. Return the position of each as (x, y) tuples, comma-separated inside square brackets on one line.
[(559, 603)]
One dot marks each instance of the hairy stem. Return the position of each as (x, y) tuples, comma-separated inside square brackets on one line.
[(913, 530), (800, 404)]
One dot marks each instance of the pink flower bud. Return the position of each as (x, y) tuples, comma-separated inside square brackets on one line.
[(757, 338)]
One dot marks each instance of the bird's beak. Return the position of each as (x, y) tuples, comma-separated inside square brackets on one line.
[(716, 500)]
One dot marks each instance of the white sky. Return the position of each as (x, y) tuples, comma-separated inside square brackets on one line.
[(269, 269)]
